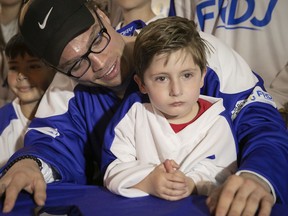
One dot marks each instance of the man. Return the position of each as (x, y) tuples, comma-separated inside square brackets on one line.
[(71, 118)]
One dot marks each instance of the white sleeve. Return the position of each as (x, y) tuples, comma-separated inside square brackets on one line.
[(47, 172)]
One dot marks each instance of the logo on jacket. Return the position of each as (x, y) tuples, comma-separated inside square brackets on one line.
[(53, 132), (258, 96)]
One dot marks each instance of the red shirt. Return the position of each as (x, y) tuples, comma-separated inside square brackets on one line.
[(203, 106)]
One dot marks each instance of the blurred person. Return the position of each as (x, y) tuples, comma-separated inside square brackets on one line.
[(28, 78), (9, 10), (136, 14)]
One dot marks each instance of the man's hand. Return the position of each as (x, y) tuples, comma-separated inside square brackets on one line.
[(24, 174), (241, 195)]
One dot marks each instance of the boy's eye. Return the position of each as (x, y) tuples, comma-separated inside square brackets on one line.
[(12, 68), (187, 75), (160, 78), (35, 66)]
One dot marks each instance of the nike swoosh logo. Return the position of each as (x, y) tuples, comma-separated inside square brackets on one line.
[(43, 24)]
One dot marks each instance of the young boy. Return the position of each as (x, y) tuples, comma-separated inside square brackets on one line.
[(175, 141), (28, 78)]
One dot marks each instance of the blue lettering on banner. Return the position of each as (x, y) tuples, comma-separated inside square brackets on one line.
[(228, 16)]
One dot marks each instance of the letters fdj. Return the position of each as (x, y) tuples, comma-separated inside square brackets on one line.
[(210, 9)]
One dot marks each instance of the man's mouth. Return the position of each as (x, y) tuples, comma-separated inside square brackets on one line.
[(110, 74)]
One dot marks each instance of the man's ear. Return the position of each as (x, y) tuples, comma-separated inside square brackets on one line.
[(140, 84), (103, 16)]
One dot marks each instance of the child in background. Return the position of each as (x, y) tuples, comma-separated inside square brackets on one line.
[(28, 78), (136, 15), (169, 141), (9, 11)]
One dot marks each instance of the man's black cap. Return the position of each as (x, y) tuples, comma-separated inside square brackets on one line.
[(49, 25)]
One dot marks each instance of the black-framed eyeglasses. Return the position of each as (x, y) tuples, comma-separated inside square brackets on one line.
[(83, 63)]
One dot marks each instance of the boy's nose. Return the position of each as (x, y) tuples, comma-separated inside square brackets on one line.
[(175, 89), (21, 77)]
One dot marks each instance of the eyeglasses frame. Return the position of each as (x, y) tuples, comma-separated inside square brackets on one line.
[(85, 56)]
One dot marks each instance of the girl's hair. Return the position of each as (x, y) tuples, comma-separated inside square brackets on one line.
[(165, 36)]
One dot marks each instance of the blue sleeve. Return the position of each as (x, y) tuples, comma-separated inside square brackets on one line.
[(7, 114), (71, 142), (261, 132), (263, 142)]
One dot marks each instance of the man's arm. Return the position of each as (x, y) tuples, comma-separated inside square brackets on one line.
[(58, 136), (261, 132)]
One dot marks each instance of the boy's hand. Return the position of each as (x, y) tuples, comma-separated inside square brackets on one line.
[(167, 182), (169, 186), (170, 166)]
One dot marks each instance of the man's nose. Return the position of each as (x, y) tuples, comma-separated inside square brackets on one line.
[(97, 61)]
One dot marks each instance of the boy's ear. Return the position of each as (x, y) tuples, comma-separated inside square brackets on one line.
[(203, 77), (140, 84), (103, 16)]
